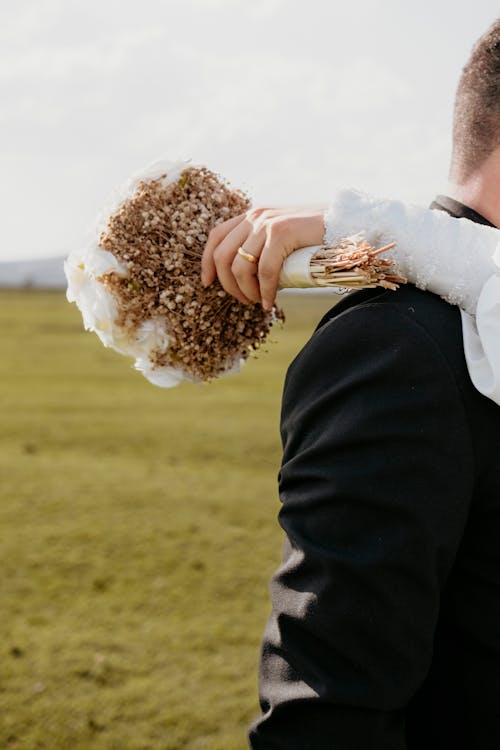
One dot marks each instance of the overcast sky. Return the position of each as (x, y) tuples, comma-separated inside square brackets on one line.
[(287, 99)]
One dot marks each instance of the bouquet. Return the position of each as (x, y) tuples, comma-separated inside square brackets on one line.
[(138, 284)]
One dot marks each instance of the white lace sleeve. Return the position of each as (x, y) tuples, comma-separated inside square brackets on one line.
[(457, 259)]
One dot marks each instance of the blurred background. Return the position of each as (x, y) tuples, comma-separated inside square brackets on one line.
[(139, 526)]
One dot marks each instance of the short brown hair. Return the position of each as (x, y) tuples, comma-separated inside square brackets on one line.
[(476, 121)]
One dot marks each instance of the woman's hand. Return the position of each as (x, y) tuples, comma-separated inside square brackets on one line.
[(269, 234)]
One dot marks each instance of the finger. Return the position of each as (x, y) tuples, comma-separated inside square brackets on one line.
[(270, 263), (247, 280), (223, 258), (215, 237), (244, 271)]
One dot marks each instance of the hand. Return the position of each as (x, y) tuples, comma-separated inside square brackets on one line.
[(270, 234)]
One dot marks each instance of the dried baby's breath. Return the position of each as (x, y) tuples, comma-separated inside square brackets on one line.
[(159, 234)]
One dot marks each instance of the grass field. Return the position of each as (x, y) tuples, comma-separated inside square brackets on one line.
[(138, 535)]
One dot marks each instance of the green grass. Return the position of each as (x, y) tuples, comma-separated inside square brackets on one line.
[(138, 536)]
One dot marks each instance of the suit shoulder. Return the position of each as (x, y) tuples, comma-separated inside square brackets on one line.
[(408, 312), (416, 328)]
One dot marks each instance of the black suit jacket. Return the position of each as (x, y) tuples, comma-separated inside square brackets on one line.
[(385, 624)]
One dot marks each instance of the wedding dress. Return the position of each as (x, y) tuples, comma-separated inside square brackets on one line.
[(457, 259)]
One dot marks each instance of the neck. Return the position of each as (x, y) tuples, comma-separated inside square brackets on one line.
[(480, 191)]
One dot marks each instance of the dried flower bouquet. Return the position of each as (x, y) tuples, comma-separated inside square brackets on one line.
[(138, 283)]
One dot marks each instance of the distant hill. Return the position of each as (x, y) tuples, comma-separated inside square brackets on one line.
[(45, 273), (48, 273)]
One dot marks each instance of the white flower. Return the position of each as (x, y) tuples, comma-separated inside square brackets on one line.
[(83, 267), (94, 301)]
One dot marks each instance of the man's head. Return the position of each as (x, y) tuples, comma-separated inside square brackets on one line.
[(476, 124)]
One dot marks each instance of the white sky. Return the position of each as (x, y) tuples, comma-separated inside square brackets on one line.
[(287, 99)]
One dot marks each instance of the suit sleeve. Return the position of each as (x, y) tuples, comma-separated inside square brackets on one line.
[(375, 485)]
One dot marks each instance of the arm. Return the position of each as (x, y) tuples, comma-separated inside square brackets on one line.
[(450, 257), (375, 484), (457, 259)]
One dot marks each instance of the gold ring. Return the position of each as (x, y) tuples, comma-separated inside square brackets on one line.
[(247, 256)]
